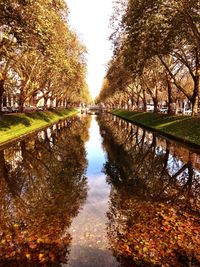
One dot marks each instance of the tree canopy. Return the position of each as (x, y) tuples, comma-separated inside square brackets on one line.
[(40, 56), (164, 32)]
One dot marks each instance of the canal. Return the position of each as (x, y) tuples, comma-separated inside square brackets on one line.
[(97, 191)]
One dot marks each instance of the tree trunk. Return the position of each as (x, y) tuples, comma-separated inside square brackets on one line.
[(1, 94), (51, 103), (45, 103), (195, 97), (170, 98), (138, 102), (176, 106), (35, 102), (21, 103), (58, 103), (144, 100), (155, 102), (67, 104)]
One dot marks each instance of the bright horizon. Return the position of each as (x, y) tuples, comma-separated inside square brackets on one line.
[(90, 20)]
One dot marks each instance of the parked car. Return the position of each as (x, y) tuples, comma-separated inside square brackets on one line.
[(40, 108), (164, 109), (150, 107), (6, 109), (188, 112), (15, 109), (28, 109)]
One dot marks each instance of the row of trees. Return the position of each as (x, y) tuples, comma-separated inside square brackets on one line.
[(156, 54), (40, 56)]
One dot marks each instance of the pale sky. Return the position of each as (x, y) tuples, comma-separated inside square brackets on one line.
[(90, 19)]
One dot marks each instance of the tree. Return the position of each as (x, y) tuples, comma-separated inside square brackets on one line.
[(160, 30), (40, 32)]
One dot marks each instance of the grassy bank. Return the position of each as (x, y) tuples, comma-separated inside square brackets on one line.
[(13, 126), (181, 128)]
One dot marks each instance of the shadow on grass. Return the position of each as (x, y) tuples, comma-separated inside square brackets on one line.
[(10, 120), (187, 128), (38, 115), (7, 121), (181, 126), (152, 119), (57, 113)]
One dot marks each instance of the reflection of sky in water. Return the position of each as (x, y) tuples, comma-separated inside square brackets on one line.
[(95, 154), (174, 164), (88, 230)]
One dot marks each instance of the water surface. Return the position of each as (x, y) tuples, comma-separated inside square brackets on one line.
[(99, 191), (89, 234)]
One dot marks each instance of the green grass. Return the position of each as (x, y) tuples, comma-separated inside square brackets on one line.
[(16, 125), (181, 128)]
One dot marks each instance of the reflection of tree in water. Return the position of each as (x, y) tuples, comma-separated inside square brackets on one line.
[(42, 187), (154, 207)]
